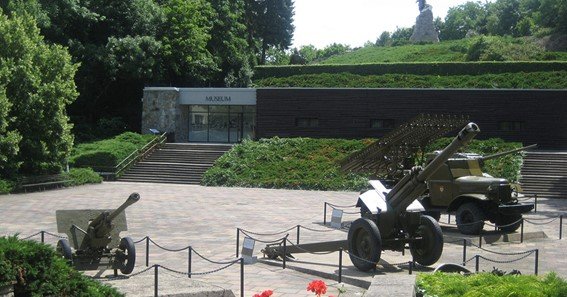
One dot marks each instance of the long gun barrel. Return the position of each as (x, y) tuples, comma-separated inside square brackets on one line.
[(411, 186), (507, 152), (133, 198)]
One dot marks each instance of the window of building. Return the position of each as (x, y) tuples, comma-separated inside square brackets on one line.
[(307, 122), (510, 126), (382, 124)]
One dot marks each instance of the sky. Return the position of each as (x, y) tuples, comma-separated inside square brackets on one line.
[(354, 22)]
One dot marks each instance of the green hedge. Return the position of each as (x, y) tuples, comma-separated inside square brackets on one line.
[(6, 186), (433, 68), (108, 152), (81, 176), (532, 80), (490, 285), (37, 270)]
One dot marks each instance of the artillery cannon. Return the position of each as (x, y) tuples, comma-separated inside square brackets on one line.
[(460, 186), (94, 235)]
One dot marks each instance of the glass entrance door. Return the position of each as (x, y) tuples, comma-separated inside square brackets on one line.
[(221, 124)]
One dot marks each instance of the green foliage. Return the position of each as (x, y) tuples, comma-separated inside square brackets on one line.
[(38, 271), (81, 176), (37, 79), (108, 152), (292, 163), (520, 80), (6, 186), (504, 49), (507, 166), (490, 285)]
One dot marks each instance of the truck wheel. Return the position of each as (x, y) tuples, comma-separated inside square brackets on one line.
[(64, 249), (429, 249), (470, 219), (364, 244), (510, 223), (126, 255)]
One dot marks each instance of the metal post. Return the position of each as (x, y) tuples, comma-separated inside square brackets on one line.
[(242, 277), (42, 236), (284, 252), (535, 203), (536, 261), (147, 251), (325, 214), (560, 226), (237, 240), (189, 261), (340, 265), (480, 241), (410, 267), (298, 227), (477, 257), (464, 252), (156, 280), (404, 250), (449, 218), (522, 232)]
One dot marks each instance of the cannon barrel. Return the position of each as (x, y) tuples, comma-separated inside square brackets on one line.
[(133, 198), (507, 152), (411, 186)]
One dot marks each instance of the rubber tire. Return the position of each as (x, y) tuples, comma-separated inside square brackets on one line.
[(507, 220), (428, 250), (467, 214), (364, 241), (64, 249), (126, 255), (435, 214)]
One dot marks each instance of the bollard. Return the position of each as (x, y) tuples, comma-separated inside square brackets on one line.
[(480, 240), (536, 261), (560, 226), (237, 240), (242, 277), (340, 265), (325, 214), (298, 227), (410, 267), (42, 236), (477, 257), (535, 203), (189, 261), (464, 252), (156, 280), (147, 251), (522, 232), (284, 252)]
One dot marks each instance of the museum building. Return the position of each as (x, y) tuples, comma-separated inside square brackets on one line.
[(228, 115)]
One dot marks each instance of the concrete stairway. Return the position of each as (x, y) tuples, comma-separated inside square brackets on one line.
[(545, 174), (176, 163)]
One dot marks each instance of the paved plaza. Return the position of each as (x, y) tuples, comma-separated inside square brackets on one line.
[(206, 218)]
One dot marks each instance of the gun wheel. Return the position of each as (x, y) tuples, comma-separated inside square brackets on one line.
[(64, 249), (126, 255), (364, 244), (429, 249)]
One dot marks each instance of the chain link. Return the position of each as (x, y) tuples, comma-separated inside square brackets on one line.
[(265, 241), (144, 238), (541, 223), (167, 249), (507, 261), (211, 261), (316, 230), (340, 206), (307, 251), (266, 234)]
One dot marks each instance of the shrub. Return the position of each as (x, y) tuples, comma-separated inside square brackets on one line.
[(6, 186), (81, 176), (38, 271)]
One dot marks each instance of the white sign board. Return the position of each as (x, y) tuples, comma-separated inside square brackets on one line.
[(217, 96), (336, 218), (248, 250)]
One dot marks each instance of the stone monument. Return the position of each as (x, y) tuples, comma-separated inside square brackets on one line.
[(424, 30)]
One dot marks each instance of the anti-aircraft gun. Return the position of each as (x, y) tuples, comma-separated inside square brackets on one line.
[(94, 235), (460, 186), (392, 218)]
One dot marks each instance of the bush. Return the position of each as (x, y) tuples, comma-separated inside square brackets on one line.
[(490, 285), (108, 152), (6, 186), (38, 271), (507, 166), (81, 176)]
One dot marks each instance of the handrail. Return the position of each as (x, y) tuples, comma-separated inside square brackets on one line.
[(140, 153)]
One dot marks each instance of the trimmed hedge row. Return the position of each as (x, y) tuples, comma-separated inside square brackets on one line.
[(36, 270), (434, 68)]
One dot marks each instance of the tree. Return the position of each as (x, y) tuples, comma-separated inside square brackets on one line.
[(36, 85), (464, 19), (384, 39), (309, 53)]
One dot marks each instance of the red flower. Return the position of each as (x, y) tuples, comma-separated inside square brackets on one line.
[(318, 287), (266, 293)]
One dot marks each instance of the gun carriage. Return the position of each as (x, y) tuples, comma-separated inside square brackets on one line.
[(94, 240)]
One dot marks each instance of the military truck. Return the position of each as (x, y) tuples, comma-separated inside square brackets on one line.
[(461, 187)]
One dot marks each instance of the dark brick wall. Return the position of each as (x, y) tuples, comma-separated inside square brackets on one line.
[(347, 113)]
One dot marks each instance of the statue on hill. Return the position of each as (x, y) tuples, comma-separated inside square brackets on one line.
[(424, 30)]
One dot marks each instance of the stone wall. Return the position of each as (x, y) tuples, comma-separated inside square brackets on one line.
[(161, 111)]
